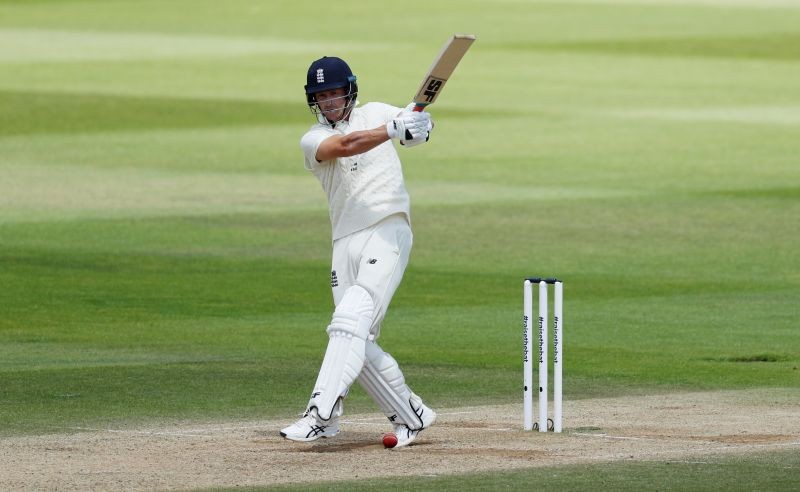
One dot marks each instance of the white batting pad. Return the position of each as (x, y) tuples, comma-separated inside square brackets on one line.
[(383, 380), (344, 356)]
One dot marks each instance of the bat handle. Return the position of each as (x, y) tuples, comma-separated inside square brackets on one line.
[(418, 108)]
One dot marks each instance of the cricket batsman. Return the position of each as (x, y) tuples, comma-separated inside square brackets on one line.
[(350, 151)]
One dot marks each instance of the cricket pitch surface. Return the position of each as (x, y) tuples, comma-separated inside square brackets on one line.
[(682, 426)]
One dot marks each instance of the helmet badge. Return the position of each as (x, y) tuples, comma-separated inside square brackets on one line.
[(320, 76)]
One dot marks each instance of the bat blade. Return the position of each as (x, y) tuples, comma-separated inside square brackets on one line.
[(442, 68)]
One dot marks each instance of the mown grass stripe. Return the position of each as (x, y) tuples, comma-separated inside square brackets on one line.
[(777, 47), (53, 45), (37, 113)]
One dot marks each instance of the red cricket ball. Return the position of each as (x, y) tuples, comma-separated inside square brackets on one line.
[(389, 440)]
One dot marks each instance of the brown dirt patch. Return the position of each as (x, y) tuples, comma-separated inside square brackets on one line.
[(464, 440)]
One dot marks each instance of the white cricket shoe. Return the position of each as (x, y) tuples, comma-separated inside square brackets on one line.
[(310, 428), (405, 435)]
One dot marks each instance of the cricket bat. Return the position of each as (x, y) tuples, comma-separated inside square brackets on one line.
[(442, 68)]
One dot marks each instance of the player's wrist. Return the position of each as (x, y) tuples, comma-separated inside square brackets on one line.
[(395, 129), (392, 130)]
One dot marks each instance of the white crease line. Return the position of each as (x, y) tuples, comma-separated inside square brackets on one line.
[(151, 433), (460, 413), (667, 453), (355, 422), (703, 449), (606, 436), (727, 446), (187, 432), (472, 429), (366, 422), (146, 433), (375, 419), (751, 445), (196, 432)]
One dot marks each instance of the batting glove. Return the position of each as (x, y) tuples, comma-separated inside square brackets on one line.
[(419, 140), (409, 125)]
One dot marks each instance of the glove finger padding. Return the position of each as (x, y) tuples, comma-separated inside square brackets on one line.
[(414, 142), (403, 126), (418, 125), (419, 140), (409, 125)]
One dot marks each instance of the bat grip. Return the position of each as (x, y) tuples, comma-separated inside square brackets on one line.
[(418, 108)]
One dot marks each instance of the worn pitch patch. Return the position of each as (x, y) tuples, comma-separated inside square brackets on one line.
[(681, 427)]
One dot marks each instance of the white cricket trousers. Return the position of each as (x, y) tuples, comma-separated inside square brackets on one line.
[(374, 258)]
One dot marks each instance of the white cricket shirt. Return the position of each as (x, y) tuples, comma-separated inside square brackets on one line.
[(362, 189)]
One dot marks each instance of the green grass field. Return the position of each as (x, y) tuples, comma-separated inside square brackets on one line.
[(759, 472), (163, 254)]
